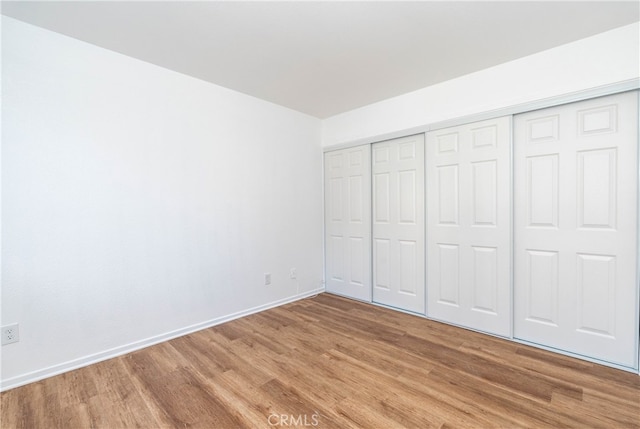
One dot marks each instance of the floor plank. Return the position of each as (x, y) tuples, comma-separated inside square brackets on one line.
[(330, 362)]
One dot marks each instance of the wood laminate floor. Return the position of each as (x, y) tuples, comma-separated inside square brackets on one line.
[(330, 362)]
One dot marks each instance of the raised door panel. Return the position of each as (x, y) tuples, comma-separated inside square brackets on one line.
[(358, 256), (381, 265), (468, 225), (335, 192), (541, 281), (484, 192), (595, 294), (447, 197), (335, 269), (448, 275), (575, 249), (398, 223), (597, 176), (348, 222), (485, 279), (542, 191)]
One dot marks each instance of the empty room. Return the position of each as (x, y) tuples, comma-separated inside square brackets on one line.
[(325, 214)]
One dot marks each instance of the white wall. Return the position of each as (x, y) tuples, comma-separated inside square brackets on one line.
[(603, 59), (139, 203)]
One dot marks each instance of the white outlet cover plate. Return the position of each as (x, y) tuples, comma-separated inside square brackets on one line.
[(10, 334)]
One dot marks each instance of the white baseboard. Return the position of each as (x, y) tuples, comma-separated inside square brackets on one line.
[(51, 371)]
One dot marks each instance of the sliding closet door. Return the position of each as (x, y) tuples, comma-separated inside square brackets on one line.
[(576, 190), (398, 223), (348, 222), (469, 225)]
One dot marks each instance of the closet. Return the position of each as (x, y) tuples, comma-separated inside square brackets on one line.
[(523, 226)]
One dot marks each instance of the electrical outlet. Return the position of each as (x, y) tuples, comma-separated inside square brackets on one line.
[(10, 334), (267, 279), (292, 273)]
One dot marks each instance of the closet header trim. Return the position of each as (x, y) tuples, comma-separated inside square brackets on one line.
[(600, 91)]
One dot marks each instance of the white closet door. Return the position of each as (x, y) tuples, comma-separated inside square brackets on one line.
[(576, 189), (398, 223), (469, 225), (348, 222)]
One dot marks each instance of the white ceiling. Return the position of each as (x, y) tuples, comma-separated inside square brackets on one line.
[(324, 58)]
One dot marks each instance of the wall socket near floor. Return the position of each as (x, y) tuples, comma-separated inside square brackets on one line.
[(10, 334), (267, 279), (292, 273)]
